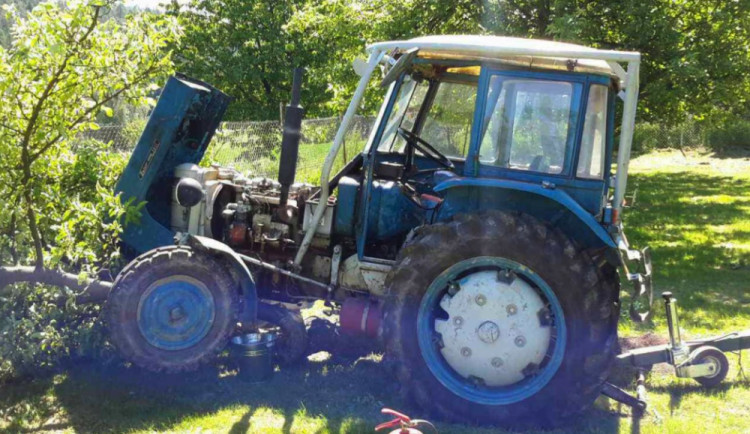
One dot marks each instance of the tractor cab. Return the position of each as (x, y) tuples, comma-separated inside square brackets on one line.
[(462, 132)]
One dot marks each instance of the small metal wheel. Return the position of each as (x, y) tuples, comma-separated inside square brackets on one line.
[(717, 362)]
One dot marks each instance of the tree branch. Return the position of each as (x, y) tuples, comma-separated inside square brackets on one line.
[(35, 236), (90, 110), (56, 76), (91, 290)]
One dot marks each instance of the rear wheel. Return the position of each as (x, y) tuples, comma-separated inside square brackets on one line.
[(499, 319), (172, 309)]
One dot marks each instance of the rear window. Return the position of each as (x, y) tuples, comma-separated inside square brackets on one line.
[(527, 124)]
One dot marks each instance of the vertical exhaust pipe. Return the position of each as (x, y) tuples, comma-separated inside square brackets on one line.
[(290, 139)]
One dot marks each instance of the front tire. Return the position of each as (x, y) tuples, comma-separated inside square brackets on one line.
[(172, 309), (498, 318)]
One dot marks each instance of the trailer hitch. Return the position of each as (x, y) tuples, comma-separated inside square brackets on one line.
[(637, 402), (702, 360)]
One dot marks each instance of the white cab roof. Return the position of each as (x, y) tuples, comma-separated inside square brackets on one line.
[(533, 53)]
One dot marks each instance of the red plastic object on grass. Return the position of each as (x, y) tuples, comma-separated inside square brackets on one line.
[(405, 424)]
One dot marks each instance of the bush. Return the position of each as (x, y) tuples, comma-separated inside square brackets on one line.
[(646, 138), (734, 133), (40, 325)]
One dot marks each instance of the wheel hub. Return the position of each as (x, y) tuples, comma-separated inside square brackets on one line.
[(503, 334), (488, 332), (175, 313)]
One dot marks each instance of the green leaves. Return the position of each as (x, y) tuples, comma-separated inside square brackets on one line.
[(63, 65), (695, 53)]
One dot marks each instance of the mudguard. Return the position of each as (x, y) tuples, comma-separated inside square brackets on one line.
[(533, 198), (249, 311)]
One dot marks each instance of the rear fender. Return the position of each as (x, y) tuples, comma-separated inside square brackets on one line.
[(543, 201), (238, 268)]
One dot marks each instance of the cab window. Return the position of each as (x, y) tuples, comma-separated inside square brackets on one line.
[(593, 141), (527, 124), (446, 123)]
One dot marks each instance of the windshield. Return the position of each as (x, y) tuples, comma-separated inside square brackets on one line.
[(445, 124), (527, 124)]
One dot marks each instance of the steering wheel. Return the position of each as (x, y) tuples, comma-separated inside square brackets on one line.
[(427, 149)]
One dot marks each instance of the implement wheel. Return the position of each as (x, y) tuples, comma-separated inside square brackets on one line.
[(497, 318), (172, 309), (717, 361)]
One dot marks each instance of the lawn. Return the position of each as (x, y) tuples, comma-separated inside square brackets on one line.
[(693, 211)]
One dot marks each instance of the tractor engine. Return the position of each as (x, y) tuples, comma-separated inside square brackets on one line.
[(245, 213)]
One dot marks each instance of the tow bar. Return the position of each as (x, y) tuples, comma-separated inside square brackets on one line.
[(703, 359)]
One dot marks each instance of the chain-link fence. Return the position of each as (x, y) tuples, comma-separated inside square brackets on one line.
[(689, 135), (254, 147), (122, 137)]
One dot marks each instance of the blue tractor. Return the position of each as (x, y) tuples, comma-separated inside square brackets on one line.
[(477, 231)]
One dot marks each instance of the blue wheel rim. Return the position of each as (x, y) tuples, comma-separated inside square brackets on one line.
[(450, 378), (175, 313)]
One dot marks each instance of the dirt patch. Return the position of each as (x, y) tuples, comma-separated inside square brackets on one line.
[(645, 340), (625, 376)]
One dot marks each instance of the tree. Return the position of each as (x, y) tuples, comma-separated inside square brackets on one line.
[(330, 34), (694, 52), (23, 6), (240, 47), (64, 66), (59, 216)]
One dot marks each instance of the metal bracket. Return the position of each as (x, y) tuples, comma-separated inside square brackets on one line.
[(613, 392), (643, 289), (335, 264), (695, 371)]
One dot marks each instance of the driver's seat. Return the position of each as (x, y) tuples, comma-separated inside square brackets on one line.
[(442, 176)]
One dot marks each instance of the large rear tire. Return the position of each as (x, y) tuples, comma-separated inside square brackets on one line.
[(172, 309), (498, 318)]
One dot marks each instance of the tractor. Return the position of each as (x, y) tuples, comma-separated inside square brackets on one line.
[(477, 232)]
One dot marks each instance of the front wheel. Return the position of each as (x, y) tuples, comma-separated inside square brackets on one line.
[(498, 318), (172, 309)]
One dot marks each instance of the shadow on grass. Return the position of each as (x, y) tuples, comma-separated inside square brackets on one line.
[(694, 222), (677, 392), (314, 397), (732, 152), (123, 399)]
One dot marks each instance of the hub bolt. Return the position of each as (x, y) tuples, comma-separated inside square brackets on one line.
[(480, 299), (511, 309), (497, 362), (520, 341), (465, 351), (176, 314), (458, 321)]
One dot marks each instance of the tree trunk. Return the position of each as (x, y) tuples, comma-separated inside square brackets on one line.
[(91, 290)]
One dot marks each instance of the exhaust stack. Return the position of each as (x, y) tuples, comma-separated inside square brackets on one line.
[(290, 140)]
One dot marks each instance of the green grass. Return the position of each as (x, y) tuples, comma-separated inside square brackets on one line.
[(695, 214)]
